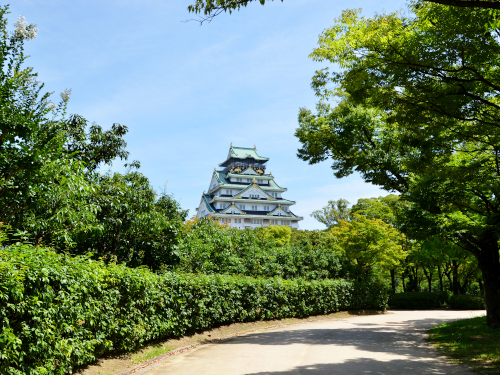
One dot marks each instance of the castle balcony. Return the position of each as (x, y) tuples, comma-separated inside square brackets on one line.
[(258, 182), (236, 198)]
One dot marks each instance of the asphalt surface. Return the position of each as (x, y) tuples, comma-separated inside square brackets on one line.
[(392, 343)]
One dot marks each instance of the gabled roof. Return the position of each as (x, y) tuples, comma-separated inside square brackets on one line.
[(278, 210), (218, 177), (293, 215), (207, 198), (232, 208), (221, 177), (273, 184), (249, 172), (238, 194), (243, 153)]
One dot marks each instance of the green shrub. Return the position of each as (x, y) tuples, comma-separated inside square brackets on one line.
[(58, 312), (279, 234), (416, 300), (465, 302), (209, 248), (444, 297)]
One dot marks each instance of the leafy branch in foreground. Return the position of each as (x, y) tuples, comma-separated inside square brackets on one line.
[(211, 9)]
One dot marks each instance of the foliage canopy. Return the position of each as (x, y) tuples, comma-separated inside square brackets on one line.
[(417, 113)]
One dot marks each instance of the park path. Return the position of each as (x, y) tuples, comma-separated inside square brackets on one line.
[(392, 343)]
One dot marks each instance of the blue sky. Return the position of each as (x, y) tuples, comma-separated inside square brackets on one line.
[(187, 91)]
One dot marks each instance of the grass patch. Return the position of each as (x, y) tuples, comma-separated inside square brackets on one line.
[(469, 341), (149, 352)]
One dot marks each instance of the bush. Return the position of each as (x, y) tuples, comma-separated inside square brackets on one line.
[(58, 312), (465, 302), (209, 248), (416, 300), (444, 297)]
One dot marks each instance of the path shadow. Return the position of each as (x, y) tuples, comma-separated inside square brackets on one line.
[(402, 338), (368, 366)]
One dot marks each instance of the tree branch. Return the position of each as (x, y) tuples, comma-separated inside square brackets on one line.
[(487, 4)]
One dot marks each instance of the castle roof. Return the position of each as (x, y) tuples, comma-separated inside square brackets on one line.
[(243, 153), (221, 177)]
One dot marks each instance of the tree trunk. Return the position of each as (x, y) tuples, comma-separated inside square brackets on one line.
[(489, 263), (455, 278), (413, 282), (393, 281), (481, 286), (448, 276), (428, 276), (463, 288), (403, 280), (440, 279)]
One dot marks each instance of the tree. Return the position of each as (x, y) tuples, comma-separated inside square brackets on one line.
[(207, 247), (418, 113), (45, 158), (57, 202), (95, 146), (279, 234), (368, 242), (51, 190), (386, 209), (210, 8), (29, 125), (334, 213), (383, 208), (132, 225)]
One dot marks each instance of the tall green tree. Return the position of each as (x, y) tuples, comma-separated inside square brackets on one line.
[(333, 213), (29, 125), (386, 209), (368, 242), (45, 157), (418, 113)]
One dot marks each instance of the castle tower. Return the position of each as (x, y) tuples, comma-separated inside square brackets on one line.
[(244, 196)]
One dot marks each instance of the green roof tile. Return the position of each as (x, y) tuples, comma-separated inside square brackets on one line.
[(243, 153)]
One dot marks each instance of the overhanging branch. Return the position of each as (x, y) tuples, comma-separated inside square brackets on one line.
[(487, 4)]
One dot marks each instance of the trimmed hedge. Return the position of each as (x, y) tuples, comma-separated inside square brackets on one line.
[(417, 300), (465, 302), (58, 312)]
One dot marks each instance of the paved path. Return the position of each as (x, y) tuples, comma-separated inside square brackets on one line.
[(379, 344)]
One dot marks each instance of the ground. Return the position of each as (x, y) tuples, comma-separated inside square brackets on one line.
[(391, 343)]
